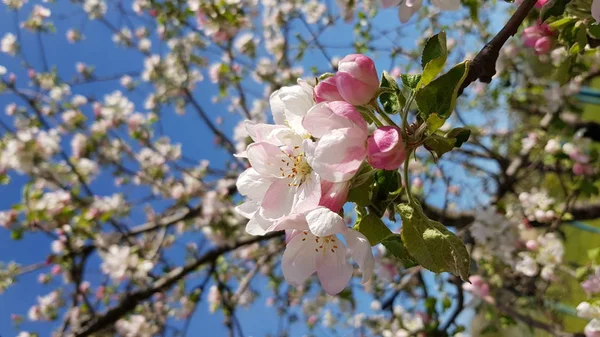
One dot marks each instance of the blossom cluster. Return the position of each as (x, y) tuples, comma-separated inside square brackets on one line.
[(302, 169)]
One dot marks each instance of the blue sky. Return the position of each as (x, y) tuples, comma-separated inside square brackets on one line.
[(98, 50)]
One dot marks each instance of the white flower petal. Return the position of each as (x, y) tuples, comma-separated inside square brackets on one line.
[(333, 270), (596, 10), (308, 194), (298, 261), (247, 209), (258, 225), (253, 185), (361, 252), (323, 222)]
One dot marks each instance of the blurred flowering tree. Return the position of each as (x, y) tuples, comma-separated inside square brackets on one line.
[(435, 142)]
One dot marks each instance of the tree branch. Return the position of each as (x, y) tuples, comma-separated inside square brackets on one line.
[(483, 66), (167, 281)]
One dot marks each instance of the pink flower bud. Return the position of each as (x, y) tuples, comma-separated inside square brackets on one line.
[(357, 79), (582, 169), (327, 91), (540, 3), (543, 45), (385, 148), (56, 270), (334, 195)]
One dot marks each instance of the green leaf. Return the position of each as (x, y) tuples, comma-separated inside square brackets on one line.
[(394, 245), (580, 38), (361, 194), (434, 122), (439, 144), (16, 234), (560, 23), (439, 96), (387, 187), (432, 244), (460, 134), (594, 30), (563, 72), (433, 58), (4, 179), (411, 81), (373, 228), (553, 8), (392, 100)]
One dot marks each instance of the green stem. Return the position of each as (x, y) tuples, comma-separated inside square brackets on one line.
[(405, 111), (386, 118), (372, 116), (406, 179)]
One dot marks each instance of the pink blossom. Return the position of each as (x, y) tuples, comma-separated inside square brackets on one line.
[(385, 148), (582, 169), (592, 284), (540, 3), (539, 37), (327, 91), (334, 195), (341, 147), (477, 287), (56, 270), (317, 248), (357, 79)]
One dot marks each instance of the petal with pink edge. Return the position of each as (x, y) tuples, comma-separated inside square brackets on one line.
[(265, 158), (290, 222), (339, 154), (278, 200)]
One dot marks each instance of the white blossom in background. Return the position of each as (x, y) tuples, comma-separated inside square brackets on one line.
[(120, 262), (495, 235), (135, 326), (537, 206), (9, 44), (14, 4), (94, 8)]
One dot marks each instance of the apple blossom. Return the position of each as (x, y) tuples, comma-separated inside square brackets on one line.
[(317, 248), (356, 79), (539, 37), (477, 286), (385, 148), (596, 10), (341, 134), (326, 91)]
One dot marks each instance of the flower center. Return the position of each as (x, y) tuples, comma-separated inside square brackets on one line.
[(294, 167), (324, 244)]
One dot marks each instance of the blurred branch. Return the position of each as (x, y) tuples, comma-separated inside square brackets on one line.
[(164, 283)]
